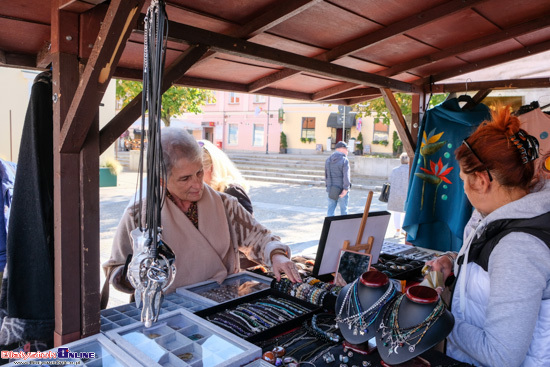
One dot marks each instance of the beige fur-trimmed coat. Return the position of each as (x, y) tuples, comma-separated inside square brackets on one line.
[(210, 252)]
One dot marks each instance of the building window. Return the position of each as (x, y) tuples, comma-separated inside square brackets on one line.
[(259, 98), (258, 135), (211, 99), (308, 127), (381, 133), (233, 98), (232, 139)]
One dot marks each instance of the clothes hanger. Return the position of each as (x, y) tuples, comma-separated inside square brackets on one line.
[(527, 108), (470, 103)]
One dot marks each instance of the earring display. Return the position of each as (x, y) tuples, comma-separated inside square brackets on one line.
[(181, 338), (411, 324), (360, 304), (112, 318)]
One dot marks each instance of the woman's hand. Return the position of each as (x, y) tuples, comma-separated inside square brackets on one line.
[(442, 264), (282, 264)]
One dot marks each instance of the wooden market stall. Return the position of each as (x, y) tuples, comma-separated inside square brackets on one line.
[(330, 51)]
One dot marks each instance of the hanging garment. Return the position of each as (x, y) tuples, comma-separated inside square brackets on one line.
[(7, 178), (29, 300), (537, 123), (437, 208)]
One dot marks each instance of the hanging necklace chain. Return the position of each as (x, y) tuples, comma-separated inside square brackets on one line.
[(399, 336), (357, 319)]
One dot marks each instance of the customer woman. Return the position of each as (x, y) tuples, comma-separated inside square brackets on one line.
[(222, 175), (205, 228), (501, 298)]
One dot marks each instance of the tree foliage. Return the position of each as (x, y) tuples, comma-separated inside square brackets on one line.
[(377, 107), (175, 100)]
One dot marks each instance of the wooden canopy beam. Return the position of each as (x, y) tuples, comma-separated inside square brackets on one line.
[(472, 45), (354, 93), (509, 56), (399, 121), (493, 84), (373, 38), (332, 91), (238, 47), (115, 30)]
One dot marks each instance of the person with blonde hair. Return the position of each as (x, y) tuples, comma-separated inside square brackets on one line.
[(222, 175)]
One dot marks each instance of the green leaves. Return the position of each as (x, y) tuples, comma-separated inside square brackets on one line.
[(175, 100)]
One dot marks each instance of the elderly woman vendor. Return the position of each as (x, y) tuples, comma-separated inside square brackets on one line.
[(205, 229)]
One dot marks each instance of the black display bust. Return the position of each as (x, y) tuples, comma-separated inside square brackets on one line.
[(371, 287), (417, 306)]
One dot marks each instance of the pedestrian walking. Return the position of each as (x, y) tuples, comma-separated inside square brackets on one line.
[(337, 179), (399, 183)]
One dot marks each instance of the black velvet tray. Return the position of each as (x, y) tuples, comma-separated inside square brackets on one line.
[(274, 331)]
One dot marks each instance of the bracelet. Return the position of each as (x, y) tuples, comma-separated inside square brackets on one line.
[(451, 256), (277, 251)]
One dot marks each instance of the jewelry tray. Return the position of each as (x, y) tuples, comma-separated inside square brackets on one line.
[(107, 352), (112, 318), (181, 333), (233, 287), (271, 332), (413, 267)]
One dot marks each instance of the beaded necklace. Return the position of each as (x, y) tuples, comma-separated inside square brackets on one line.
[(358, 319), (399, 336)]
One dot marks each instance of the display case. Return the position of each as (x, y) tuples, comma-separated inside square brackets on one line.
[(124, 315), (106, 354), (180, 338), (234, 286)]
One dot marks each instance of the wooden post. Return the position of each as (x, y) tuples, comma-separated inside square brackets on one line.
[(65, 77)]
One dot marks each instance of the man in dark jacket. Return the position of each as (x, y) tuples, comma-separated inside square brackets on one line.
[(337, 173)]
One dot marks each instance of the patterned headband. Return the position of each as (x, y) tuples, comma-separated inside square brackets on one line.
[(527, 145)]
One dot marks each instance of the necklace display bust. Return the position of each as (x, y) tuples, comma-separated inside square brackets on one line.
[(359, 304), (411, 324)]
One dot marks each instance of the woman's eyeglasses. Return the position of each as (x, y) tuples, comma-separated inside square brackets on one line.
[(479, 159)]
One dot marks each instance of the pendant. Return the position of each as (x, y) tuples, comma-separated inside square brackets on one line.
[(362, 332), (411, 348), (355, 331)]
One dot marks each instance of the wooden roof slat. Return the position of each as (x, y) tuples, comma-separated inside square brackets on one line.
[(117, 26), (401, 27), (375, 37), (475, 44), (234, 46)]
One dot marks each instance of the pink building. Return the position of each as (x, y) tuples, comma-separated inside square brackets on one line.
[(239, 121)]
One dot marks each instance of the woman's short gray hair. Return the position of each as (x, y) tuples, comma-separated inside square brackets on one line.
[(404, 158), (178, 144)]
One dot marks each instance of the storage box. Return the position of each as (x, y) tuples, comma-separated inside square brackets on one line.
[(106, 354), (123, 315), (271, 332), (234, 286), (180, 338)]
